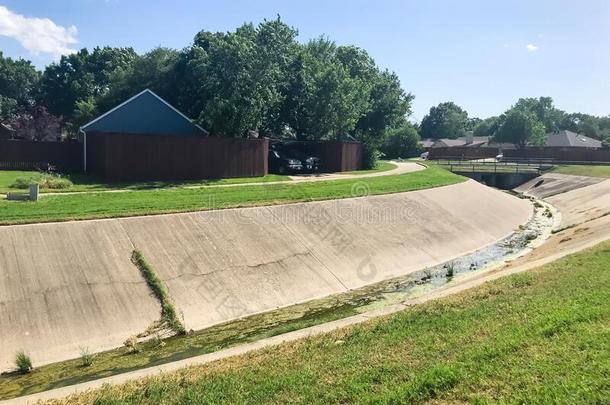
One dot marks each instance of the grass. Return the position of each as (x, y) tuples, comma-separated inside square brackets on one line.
[(584, 170), (87, 183), (147, 202), (536, 337), (156, 351), (382, 166), (169, 316)]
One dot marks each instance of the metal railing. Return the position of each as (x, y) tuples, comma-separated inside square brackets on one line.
[(481, 166)]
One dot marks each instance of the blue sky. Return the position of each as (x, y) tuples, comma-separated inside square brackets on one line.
[(483, 55)]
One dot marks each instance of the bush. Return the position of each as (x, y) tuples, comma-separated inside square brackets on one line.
[(86, 357), (23, 362), (132, 344), (402, 142), (44, 180)]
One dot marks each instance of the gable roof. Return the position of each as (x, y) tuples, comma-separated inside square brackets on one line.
[(144, 113), (571, 139)]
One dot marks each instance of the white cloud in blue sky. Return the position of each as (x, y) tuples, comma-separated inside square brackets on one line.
[(38, 35), (531, 47)]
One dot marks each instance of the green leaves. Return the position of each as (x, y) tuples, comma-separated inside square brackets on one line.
[(447, 120)]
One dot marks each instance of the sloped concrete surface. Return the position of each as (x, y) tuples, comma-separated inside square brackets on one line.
[(71, 285), (227, 264), (583, 204), (66, 286), (551, 184)]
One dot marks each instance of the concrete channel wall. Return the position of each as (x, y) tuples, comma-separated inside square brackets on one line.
[(71, 285)]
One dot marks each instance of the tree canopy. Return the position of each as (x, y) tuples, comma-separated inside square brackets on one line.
[(520, 128), (446, 120)]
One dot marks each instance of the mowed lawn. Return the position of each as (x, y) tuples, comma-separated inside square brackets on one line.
[(145, 202), (538, 337), (82, 183), (584, 170)]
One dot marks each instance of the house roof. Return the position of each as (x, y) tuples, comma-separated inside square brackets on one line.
[(144, 113), (474, 142), (571, 139)]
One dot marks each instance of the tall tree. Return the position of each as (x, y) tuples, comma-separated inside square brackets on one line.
[(18, 81), (544, 110), (520, 128), (486, 127), (324, 100), (242, 76), (80, 76), (446, 120)]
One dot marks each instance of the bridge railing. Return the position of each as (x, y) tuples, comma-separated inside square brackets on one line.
[(479, 166)]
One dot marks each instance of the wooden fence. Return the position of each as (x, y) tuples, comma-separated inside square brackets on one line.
[(35, 155), (137, 157), (549, 153), (462, 152), (338, 156), (562, 154)]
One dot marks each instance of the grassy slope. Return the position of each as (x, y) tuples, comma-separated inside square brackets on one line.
[(537, 337), (101, 205), (88, 183), (381, 167), (584, 170)]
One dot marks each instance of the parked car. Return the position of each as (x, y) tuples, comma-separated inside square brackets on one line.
[(284, 159), (282, 163), (425, 155), (311, 164)]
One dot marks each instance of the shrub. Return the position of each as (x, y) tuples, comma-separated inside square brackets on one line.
[(86, 357), (44, 180), (450, 270), (132, 344), (23, 362)]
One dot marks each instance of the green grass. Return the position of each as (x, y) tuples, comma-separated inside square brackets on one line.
[(169, 316), (538, 337), (179, 347), (381, 166), (146, 202), (584, 170), (84, 183)]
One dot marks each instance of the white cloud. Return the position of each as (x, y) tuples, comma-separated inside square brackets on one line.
[(37, 35), (531, 47)]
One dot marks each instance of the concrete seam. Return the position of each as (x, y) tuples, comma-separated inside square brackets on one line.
[(309, 250)]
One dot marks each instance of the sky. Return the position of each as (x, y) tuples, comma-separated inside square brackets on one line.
[(481, 54)]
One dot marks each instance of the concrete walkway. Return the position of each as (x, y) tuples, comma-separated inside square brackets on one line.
[(401, 168)]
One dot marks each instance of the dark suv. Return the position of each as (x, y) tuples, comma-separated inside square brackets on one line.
[(289, 159)]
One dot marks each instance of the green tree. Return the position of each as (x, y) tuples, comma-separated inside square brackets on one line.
[(402, 142), (242, 76), (324, 100), (447, 120), (80, 76), (486, 127), (520, 128), (154, 70), (18, 81), (544, 110)]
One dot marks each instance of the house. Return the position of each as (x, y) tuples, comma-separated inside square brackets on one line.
[(144, 113), (569, 139), (468, 140), (6, 132)]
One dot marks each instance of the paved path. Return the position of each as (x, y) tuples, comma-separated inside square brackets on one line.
[(401, 168)]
